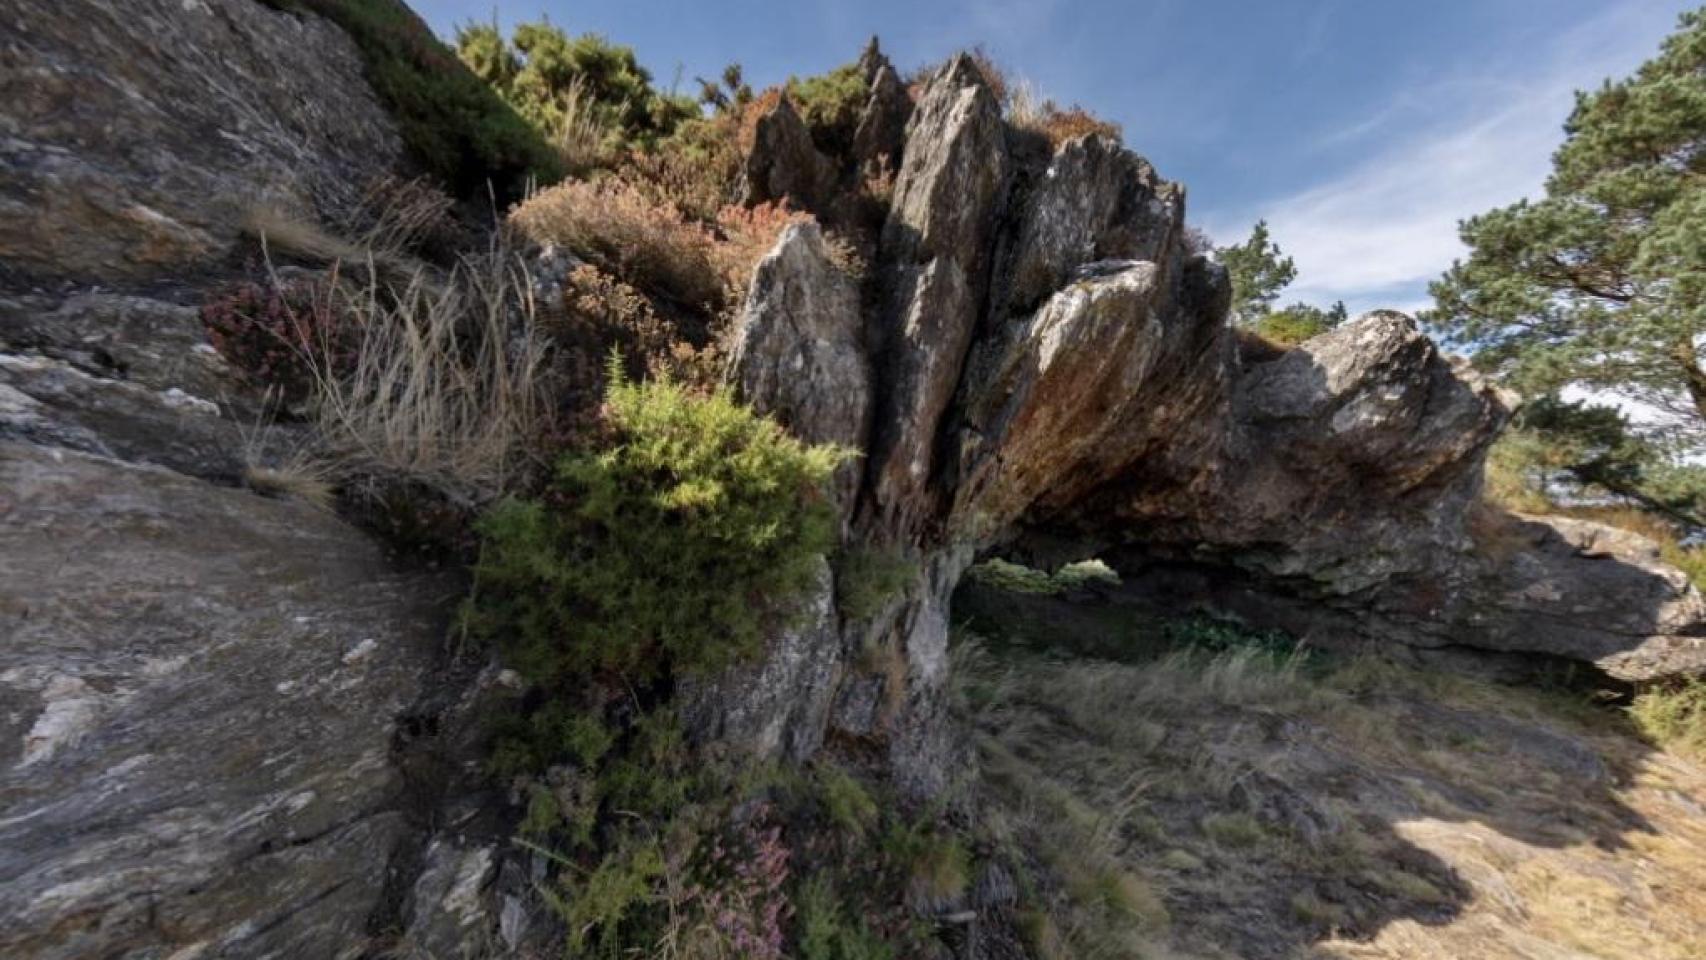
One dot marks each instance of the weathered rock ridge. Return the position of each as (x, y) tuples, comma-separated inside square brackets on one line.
[(209, 696), (1047, 371)]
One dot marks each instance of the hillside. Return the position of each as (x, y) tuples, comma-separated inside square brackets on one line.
[(476, 503)]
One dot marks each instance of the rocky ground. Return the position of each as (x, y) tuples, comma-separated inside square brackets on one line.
[(1268, 804)]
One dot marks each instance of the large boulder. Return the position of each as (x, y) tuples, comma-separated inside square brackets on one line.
[(136, 134), (1565, 588)]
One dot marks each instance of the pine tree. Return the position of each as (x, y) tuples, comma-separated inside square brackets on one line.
[(1602, 282)]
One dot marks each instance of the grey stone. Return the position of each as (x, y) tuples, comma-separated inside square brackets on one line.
[(798, 353), (198, 689), (135, 134)]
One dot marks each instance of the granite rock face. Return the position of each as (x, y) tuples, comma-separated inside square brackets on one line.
[(135, 133), (201, 689), (798, 352), (1053, 377)]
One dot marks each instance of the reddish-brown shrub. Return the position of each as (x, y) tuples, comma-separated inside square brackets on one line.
[(697, 171), (276, 333), (748, 234), (1060, 125), (618, 227)]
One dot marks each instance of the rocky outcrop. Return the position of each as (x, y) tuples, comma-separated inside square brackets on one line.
[(880, 137), (1565, 588), (1053, 376), (784, 165), (799, 353), (936, 251), (194, 743), (135, 134)]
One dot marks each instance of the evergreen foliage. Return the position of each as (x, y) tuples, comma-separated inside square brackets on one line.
[(661, 552), (549, 77), (1601, 283), (1259, 271)]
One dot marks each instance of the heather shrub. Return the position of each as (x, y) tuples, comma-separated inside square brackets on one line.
[(281, 333), (666, 552), (697, 171), (617, 227), (748, 234)]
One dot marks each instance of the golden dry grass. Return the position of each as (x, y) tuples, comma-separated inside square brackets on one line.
[(1279, 807), (447, 383)]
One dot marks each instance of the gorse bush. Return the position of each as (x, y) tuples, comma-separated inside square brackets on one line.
[(559, 82), (666, 551), (830, 104)]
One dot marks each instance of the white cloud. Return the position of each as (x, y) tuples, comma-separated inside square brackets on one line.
[(1377, 234)]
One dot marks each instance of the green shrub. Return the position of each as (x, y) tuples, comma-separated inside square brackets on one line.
[(866, 579), (1297, 323), (456, 127), (827, 934), (669, 551), (849, 805), (555, 80), (1018, 578), (830, 104)]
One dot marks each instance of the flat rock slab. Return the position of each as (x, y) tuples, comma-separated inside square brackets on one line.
[(199, 689)]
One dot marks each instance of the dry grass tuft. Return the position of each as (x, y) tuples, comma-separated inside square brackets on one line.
[(280, 231), (1674, 716), (446, 386), (1028, 111), (582, 141), (310, 481)]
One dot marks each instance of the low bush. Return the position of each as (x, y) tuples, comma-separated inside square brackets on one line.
[(455, 126), (827, 933), (666, 551), (616, 226), (283, 333)]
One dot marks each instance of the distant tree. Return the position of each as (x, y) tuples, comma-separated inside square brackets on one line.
[(1602, 282), (1259, 271), (728, 92)]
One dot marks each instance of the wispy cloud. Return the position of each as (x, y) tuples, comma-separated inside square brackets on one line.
[(1377, 233)]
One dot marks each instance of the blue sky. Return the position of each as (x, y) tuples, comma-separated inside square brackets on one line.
[(1363, 130)]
